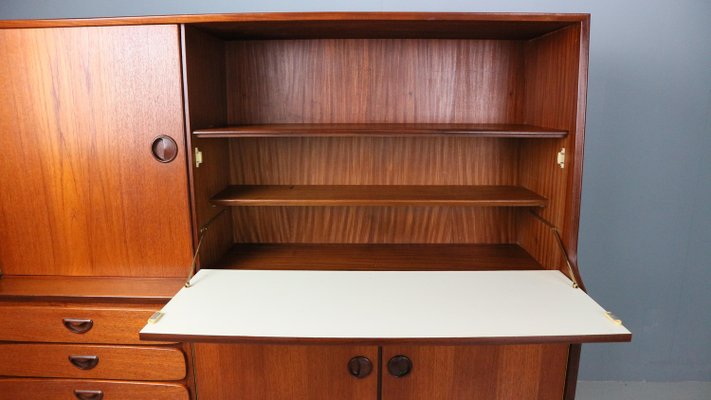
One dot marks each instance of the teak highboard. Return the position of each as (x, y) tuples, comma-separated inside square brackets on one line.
[(294, 206)]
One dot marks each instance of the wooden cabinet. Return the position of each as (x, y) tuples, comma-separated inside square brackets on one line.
[(379, 205), (94, 227), (82, 193)]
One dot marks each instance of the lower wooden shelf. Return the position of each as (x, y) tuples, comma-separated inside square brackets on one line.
[(378, 195), (458, 257)]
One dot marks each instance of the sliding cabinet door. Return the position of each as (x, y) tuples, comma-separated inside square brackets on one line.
[(87, 187)]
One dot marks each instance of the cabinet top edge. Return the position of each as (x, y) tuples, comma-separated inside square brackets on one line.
[(300, 17)]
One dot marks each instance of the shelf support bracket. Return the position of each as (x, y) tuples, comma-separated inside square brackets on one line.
[(201, 235), (559, 241)]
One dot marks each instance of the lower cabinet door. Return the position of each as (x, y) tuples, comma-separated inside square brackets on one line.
[(288, 372), (74, 389), (476, 372)]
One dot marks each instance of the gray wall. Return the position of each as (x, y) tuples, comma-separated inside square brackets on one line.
[(645, 234)]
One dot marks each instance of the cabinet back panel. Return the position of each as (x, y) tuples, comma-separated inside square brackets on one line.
[(374, 224), (373, 80), (81, 193), (374, 161)]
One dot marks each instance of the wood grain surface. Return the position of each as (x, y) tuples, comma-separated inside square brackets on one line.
[(551, 100), (483, 225), (521, 372), (203, 58), (377, 195), (141, 363), (43, 322), (81, 192), (63, 389), (85, 288), (377, 257), (261, 372), (373, 161), (373, 81), (380, 130), (320, 24)]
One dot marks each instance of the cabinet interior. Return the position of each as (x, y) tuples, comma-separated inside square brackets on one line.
[(450, 135)]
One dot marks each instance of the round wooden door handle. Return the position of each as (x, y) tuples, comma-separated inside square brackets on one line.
[(89, 394), (360, 366), (164, 149), (399, 366), (84, 362), (76, 325)]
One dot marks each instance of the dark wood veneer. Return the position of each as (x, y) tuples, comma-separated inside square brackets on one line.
[(401, 257), (381, 130), (380, 195)]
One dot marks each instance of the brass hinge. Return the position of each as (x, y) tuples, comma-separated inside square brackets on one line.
[(560, 159), (198, 158), (155, 317), (614, 318)]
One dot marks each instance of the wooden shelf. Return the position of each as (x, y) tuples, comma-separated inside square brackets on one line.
[(84, 288), (381, 130), (378, 257), (377, 195)]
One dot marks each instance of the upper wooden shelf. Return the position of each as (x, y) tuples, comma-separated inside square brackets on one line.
[(381, 130), (377, 195)]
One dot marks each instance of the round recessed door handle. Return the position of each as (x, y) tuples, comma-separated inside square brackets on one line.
[(164, 149), (399, 366), (360, 366)]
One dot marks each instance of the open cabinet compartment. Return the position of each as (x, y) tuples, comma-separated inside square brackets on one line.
[(374, 146)]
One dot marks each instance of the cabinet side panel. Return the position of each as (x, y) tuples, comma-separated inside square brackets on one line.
[(520, 372), (551, 96), (204, 75), (81, 191), (277, 372)]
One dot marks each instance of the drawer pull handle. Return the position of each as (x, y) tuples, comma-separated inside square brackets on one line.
[(84, 362), (399, 366), (78, 325), (89, 394)]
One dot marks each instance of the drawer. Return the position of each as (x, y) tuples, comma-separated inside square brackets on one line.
[(72, 389), (143, 363), (72, 324)]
